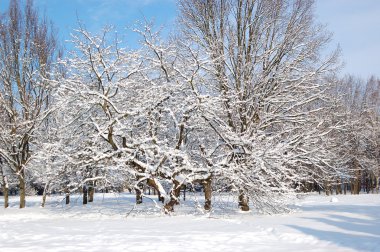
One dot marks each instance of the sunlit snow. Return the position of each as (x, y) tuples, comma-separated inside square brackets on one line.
[(112, 223)]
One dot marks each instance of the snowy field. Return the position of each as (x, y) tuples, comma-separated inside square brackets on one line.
[(111, 223)]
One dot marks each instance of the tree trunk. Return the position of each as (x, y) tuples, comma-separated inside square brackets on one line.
[(46, 189), (373, 183), (345, 187), (177, 192), (338, 187), (356, 182), (356, 188), (208, 193), (21, 179), (6, 196), (174, 197), (6, 192), (67, 195), (169, 206), (352, 186), (184, 193), (67, 198), (357, 178), (85, 195), (328, 188), (91, 192), (243, 201), (139, 199), (160, 198), (5, 186), (152, 183), (367, 184)]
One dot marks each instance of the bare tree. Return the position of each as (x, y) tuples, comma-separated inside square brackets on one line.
[(266, 81), (358, 139), (28, 47)]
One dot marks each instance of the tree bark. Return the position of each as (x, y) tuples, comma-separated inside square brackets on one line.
[(208, 193), (67, 195), (356, 186), (46, 189), (169, 206), (328, 189), (160, 198), (345, 187), (6, 192), (91, 191), (139, 199), (357, 178), (338, 187), (5, 186), (177, 192), (243, 201), (373, 183), (184, 193), (356, 182), (85, 191), (21, 179), (67, 198), (174, 197), (152, 183), (6, 196)]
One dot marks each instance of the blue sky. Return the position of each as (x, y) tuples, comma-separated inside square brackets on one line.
[(356, 27), (355, 23)]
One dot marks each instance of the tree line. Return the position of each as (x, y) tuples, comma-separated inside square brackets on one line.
[(242, 98)]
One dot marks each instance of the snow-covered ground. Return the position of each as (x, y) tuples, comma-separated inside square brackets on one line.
[(320, 223)]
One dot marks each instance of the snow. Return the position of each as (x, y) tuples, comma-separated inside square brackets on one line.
[(334, 199), (112, 223)]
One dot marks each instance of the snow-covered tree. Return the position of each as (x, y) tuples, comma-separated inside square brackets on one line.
[(265, 91), (123, 115), (28, 48), (358, 139)]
